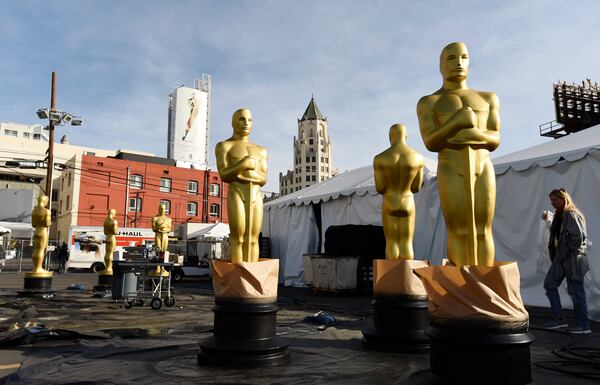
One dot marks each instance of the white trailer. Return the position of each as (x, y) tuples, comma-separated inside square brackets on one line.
[(86, 245)]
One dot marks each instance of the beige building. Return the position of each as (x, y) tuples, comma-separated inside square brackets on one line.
[(312, 153), (19, 170), (25, 131)]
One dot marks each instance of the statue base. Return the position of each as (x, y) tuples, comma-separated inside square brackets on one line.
[(400, 308), (244, 335), (399, 325), (37, 286), (104, 283), (245, 317), (494, 357), (478, 323)]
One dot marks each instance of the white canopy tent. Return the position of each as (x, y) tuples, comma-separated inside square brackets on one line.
[(523, 180), (214, 233), (20, 230), (348, 198)]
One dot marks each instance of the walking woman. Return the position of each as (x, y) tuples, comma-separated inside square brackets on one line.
[(567, 248)]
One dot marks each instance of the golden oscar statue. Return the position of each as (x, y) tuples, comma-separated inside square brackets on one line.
[(243, 165), (399, 298), (398, 174), (38, 282), (41, 221), (476, 313), (110, 232), (463, 125), (245, 287), (161, 225)]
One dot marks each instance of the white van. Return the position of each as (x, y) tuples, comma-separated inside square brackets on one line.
[(86, 245)]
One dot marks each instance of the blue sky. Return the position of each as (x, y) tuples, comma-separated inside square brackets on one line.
[(369, 61)]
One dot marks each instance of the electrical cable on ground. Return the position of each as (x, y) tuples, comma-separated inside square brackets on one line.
[(579, 361)]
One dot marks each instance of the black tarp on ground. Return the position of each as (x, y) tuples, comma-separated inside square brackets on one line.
[(159, 347)]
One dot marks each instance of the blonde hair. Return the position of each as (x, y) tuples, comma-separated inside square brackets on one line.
[(569, 204)]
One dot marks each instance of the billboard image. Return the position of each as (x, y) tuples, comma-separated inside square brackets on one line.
[(188, 132)]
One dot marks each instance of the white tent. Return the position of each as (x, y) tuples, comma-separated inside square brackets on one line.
[(214, 233), (19, 229), (523, 180), (348, 198)]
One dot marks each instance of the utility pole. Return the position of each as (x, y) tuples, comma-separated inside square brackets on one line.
[(51, 142)]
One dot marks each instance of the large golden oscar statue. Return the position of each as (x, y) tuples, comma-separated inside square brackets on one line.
[(398, 174), (463, 125), (38, 282), (243, 165), (477, 317), (399, 298), (246, 287)]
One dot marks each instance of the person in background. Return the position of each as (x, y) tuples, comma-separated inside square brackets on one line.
[(63, 257), (567, 248)]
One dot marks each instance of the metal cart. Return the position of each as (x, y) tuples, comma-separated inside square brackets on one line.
[(149, 286)]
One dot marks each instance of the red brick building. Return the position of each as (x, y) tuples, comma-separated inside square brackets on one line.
[(135, 185)]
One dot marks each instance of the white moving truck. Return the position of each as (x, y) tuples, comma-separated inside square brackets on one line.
[(86, 245)]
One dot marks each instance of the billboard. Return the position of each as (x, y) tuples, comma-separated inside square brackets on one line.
[(188, 127)]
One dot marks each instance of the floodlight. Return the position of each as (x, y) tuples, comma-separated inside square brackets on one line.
[(76, 122), (42, 113), (67, 118), (56, 116)]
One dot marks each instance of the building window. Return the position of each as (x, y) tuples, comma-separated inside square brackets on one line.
[(60, 206), (322, 168), (67, 202), (26, 135), (314, 158), (314, 178), (214, 210), (37, 137), (322, 159), (310, 141), (326, 160), (213, 190), (54, 195), (10, 133), (308, 159), (192, 209), (69, 178), (135, 204), (308, 178), (90, 153), (165, 185), (167, 205), (135, 181), (192, 187), (307, 168), (314, 168)]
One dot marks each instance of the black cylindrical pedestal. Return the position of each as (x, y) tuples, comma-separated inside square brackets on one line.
[(37, 287), (244, 335), (104, 283), (399, 325), (475, 356)]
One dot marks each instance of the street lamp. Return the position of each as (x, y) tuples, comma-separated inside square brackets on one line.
[(55, 118)]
